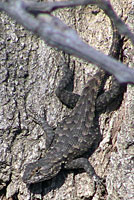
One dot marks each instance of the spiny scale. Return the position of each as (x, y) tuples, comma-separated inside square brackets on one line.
[(84, 110), (75, 135)]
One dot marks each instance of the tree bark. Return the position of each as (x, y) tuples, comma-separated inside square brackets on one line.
[(29, 74)]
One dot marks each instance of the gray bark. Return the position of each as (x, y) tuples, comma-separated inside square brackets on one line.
[(29, 75)]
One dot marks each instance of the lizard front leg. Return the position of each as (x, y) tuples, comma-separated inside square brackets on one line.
[(83, 163), (41, 120)]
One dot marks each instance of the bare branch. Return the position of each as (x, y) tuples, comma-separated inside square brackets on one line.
[(59, 35), (103, 4)]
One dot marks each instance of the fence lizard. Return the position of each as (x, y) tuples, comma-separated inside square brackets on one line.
[(78, 133)]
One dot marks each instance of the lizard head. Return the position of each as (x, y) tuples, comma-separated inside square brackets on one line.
[(40, 171)]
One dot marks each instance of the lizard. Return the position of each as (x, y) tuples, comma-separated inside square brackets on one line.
[(78, 133)]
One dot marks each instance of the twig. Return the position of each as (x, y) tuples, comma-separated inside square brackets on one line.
[(59, 35), (103, 4)]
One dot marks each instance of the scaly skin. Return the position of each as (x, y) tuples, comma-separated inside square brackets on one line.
[(75, 135), (78, 133)]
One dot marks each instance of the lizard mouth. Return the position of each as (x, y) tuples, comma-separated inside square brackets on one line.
[(28, 182)]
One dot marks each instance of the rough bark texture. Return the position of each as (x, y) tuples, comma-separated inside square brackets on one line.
[(29, 74)]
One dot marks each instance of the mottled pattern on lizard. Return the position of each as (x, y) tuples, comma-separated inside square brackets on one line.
[(77, 134)]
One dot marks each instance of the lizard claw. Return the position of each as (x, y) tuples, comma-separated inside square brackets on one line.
[(98, 180), (37, 118)]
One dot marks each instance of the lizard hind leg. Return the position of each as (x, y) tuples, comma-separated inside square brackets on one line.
[(65, 87)]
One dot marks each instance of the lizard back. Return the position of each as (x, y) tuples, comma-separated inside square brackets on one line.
[(74, 136), (79, 126)]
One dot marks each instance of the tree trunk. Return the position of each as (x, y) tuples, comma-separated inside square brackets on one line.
[(29, 74)]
